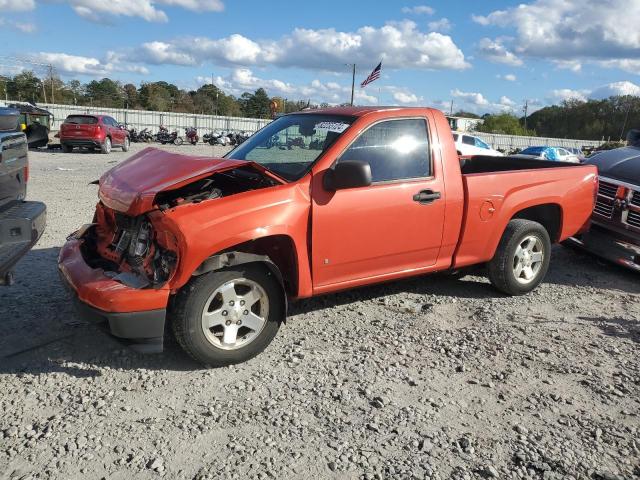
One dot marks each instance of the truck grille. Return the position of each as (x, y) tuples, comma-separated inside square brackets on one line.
[(633, 219), (604, 207), (607, 189), (635, 199)]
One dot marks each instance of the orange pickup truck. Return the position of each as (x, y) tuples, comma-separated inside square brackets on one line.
[(315, 202)]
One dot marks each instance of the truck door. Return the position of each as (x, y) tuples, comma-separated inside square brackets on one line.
[(394, 225)]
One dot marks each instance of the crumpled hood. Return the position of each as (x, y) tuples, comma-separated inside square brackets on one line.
[(132, 186), (621, 164)]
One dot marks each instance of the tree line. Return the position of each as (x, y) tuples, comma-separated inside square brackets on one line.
[(157, 96), (605, 119)]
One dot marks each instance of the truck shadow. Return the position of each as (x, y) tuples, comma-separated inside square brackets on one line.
[(39, 332)]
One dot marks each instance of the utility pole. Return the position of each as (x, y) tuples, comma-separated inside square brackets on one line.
[(526, 107), (626, 118), (53, 99), (451, 109)]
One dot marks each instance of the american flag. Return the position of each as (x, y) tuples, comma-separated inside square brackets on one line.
[(373, 76)]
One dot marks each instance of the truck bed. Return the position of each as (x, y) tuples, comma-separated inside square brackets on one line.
[(498, 189)]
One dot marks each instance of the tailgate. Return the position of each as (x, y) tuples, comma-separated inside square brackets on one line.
[(13, 165)]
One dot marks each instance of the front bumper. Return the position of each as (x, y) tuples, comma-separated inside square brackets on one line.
[(21, 225), (137, 315), (610, 246)]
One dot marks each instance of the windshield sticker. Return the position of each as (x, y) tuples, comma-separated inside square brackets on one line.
[(337, 127)]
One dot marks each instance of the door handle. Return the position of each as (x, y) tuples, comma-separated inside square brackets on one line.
[(425, 197)]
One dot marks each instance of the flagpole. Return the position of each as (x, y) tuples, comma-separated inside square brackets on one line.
[(353, 83)]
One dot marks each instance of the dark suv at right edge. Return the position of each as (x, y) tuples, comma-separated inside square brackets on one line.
[(21, 222), (615, 229)]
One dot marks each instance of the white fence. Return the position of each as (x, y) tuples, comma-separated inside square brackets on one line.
[(511, 142), (179, 121), (152, 120)]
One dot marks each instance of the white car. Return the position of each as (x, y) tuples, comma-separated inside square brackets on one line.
[(470, 145)]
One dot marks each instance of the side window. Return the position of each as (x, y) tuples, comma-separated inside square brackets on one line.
[(481, 144), (107, 121), (395, 149), (468, 140)]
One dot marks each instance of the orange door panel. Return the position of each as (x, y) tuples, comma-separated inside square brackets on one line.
[(372, 231)]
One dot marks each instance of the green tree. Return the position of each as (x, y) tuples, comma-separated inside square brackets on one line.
[(256, 104), (25, 86), (105, 93), (504, 123)]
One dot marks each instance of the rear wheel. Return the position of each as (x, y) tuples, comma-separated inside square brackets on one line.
[(228, 316), (106, 146), (126, 144), (522, 258), (178, 141)]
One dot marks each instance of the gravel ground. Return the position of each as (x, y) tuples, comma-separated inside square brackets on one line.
[(427, 378)]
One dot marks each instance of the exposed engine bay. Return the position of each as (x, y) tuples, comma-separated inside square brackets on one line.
[(218, 185), (129, 250)]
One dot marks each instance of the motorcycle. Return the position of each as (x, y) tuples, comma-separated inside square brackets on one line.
[(145, 135), (192, 135), (219, 138), (164, 137), (134, 136)]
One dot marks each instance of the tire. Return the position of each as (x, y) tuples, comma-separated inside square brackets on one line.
[(522, 258), (126, 144), (66, 148), (178, 141), (105, 147), (218, 345)]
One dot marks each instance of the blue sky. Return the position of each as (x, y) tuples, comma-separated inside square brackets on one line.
[(486, 56)]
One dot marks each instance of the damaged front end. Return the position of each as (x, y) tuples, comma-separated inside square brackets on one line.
[(128, 239), (129, 249)]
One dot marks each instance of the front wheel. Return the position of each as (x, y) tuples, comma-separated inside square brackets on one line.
[(178, 141), (522, 258), (228, 316), (126, 144)]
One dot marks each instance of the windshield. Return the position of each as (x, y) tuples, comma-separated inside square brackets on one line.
[(290, 145)]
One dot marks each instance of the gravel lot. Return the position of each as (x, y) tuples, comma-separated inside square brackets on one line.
[(427, 378)]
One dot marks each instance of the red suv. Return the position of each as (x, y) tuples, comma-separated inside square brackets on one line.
[(93, 131)]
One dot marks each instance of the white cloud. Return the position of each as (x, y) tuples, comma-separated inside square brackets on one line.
[(100, 11), (196, 5), (571, 32), (510, 77), (24, 27), (470, 97), (17, 5), (601, 92), (625, 64), (563, 94), (74, 64), (398, 44), (242, 80), (495, 51), (443, 25), (616, 88), (477, 103), (418, 10)]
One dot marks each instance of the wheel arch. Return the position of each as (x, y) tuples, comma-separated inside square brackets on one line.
[(549, 215), (276, 252)]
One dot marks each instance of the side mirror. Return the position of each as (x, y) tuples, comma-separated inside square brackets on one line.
[(347, 174)]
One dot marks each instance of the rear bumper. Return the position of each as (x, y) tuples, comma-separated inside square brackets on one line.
[(137, 315), (81, 142), (610, 246), (21, 225)]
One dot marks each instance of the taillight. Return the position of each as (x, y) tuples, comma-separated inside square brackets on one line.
[(25, 173)]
